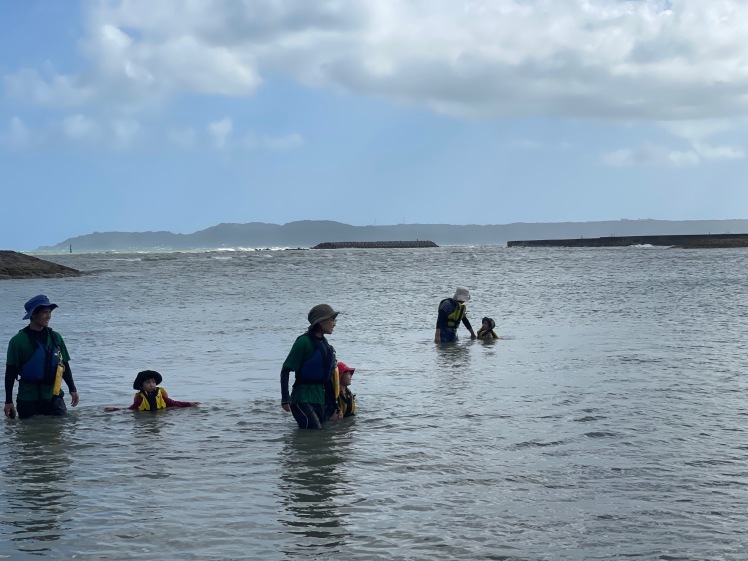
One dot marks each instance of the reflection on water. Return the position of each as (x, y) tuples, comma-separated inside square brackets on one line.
[(454, 355), (313, 475), (38, 502)]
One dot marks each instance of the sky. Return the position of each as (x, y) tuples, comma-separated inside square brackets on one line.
[(177, 115)]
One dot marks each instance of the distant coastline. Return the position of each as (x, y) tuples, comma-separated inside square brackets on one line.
[(686, 241), (309, 233)]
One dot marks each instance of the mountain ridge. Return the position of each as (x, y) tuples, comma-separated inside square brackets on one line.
[(308, 233)]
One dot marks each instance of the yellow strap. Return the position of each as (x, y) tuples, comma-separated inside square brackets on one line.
[(336, 382), (58, 378)]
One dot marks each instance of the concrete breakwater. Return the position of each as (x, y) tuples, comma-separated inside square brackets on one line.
[(686, 241), (369, 245)]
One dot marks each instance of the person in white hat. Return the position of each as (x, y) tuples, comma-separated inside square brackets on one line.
[(452, 312), (37, 356), (312, 400)]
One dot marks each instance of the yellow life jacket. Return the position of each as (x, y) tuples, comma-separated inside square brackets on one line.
[(160, 403), (487, 334), (454, 319), (347, 402)]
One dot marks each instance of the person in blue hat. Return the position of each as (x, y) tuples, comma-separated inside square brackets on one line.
[(39, 360)]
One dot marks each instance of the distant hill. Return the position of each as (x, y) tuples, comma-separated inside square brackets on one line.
[(308, 233)]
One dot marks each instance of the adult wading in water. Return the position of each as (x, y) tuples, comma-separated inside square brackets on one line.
[(312, 360), (38, 358), (452, 312)]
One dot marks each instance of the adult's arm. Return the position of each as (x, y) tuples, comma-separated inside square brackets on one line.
[(10, 379), (11, 372), (285, 396), (67, 375), (466, 323), (332, 408), (441, 318)]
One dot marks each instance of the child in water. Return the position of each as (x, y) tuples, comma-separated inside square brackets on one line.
[(486, 331), (150, 397), (346, 399)]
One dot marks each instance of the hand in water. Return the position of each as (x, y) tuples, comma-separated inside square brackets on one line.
[(10, 411)]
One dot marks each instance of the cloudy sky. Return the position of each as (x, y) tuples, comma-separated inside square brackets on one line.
[(182, 114)]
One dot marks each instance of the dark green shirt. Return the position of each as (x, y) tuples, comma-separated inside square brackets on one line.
[(302, 350), (20, 349)]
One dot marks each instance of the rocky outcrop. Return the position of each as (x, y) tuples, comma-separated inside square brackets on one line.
[(367, 245), (14, 265)]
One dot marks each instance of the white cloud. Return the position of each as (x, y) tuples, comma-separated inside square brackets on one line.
[(220, 131), (696, 131), (718, 152), (125, 131), (56, 91), (71, 131), (649, 154), (624, 157), (18, 136), (683, 159), (79, 127), (655, 60)]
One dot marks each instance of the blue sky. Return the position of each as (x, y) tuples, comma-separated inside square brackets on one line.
[(180, 115)]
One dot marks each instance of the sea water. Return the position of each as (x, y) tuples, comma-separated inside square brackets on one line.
[(607, 422)]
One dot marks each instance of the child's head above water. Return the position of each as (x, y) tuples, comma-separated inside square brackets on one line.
[(344, 373), (488, 324), (147, 380)]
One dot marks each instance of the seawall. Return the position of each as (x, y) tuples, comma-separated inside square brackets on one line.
[(368, 245), (686, 241)]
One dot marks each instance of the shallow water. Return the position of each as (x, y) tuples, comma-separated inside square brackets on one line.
[(608, 422)]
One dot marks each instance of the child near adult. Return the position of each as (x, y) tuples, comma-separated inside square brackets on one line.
[(486, 332), (150, 396), (346, 399)]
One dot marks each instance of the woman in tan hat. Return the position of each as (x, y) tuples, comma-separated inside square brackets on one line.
[(312, 360)]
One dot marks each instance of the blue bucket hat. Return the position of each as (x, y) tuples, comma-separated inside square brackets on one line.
[(39, 301)]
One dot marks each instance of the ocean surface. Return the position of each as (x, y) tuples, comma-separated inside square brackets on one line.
[(609, 421)]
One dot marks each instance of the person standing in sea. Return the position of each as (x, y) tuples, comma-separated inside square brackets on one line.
[(38, 357), (452, 312), (312, 360)]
